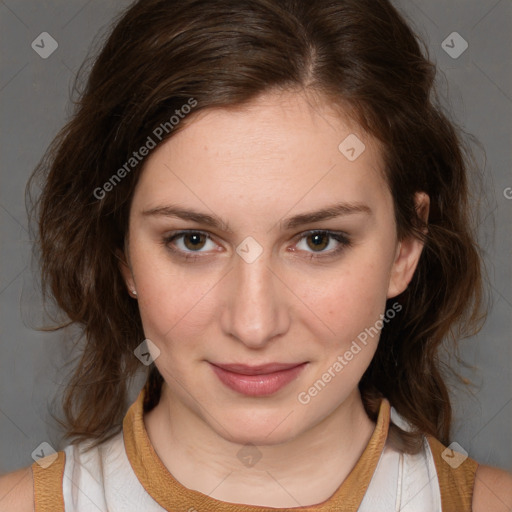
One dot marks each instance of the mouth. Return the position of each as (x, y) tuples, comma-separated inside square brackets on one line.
[(261, 380)]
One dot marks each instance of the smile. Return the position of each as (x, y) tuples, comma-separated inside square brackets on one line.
[(257, 380)]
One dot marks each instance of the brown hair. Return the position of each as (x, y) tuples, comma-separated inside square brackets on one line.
[(223, 53)]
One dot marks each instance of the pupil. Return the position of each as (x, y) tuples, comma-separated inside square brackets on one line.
[(194, 239), (317, 240)]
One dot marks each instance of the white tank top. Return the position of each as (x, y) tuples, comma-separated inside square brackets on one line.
[(103, 480)]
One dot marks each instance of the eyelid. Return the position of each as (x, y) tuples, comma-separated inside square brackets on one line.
[(330, 232)]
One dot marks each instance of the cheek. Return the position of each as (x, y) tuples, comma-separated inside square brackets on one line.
[(173, 300), (347, 301), (350, 307)]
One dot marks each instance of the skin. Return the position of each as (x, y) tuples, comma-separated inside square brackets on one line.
[(255, 167)]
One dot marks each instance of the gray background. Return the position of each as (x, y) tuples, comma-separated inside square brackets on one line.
[(34, 94)]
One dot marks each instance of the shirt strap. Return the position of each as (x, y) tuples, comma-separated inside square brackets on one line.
[(48, 473), (456, 473)]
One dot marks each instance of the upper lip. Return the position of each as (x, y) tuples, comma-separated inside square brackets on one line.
[(244, 369)]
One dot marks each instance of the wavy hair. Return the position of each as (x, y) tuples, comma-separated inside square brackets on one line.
[(358, 54)]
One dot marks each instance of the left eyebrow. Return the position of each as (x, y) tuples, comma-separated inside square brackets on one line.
[(331, 212)]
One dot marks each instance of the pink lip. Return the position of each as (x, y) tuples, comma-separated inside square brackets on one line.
[(260, 380)]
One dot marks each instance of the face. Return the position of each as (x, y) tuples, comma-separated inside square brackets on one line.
[(251, 277)]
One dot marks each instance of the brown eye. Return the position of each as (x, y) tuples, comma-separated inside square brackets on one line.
[(194, 241), (320, 244), (187, 243), (319, 241)]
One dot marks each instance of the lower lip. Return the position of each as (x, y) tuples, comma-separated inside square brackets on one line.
[(257, 385)]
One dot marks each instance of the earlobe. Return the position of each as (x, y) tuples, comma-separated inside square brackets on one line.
[(126, 272), (408, 253)]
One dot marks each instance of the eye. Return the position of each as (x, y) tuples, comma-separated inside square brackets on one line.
[(189, 242), (320, 240)]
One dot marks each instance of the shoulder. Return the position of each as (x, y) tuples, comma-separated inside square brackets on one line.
[(17, 491), (493, 490)]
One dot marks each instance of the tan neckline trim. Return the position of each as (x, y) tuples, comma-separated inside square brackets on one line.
[(455, 483), (173, 496), (48, 474)]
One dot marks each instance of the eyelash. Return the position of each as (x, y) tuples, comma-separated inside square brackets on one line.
[(341, 238)]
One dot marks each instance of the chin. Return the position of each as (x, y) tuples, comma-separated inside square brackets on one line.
[(259, 428)]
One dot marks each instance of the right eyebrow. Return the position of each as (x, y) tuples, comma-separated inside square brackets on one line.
[(188, 214)]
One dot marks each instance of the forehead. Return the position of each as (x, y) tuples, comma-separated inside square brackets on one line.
[(275, 151)]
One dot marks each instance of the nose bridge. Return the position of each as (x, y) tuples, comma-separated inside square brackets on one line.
[(255, 313)]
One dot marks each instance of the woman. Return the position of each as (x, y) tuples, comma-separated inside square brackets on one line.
[(261, 203)]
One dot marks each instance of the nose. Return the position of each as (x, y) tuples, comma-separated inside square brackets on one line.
[(256, 311)]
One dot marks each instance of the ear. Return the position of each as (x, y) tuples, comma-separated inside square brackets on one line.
[(126, 271), (408, 252)]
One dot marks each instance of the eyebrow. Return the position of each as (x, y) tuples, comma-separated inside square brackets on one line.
[(330, 212)]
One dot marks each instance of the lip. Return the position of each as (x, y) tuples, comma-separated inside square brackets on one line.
[(262, 380)]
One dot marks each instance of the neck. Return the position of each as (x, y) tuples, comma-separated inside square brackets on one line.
[(303, 471)]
